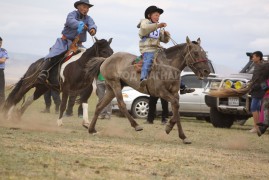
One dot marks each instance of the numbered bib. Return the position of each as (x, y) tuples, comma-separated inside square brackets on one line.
[(155, 34)]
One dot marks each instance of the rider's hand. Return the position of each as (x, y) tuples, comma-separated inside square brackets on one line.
[(92, 32), (162, 25), (80, 26)]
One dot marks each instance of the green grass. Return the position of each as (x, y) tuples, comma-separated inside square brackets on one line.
[(35, 148)]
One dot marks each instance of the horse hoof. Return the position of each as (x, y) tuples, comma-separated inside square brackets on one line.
[(138, 128), (168, 129), (92, 131), (60, 123), (186, 141), (86, 125)]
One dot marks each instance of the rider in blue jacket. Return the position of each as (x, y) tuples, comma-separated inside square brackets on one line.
[(77, 23)]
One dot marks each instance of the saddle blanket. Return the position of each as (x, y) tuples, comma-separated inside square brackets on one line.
[(138, 62), (72, 59)]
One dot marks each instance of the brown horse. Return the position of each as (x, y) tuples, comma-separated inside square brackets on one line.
[(163, 81)]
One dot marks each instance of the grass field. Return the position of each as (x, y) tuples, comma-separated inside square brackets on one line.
[(35, 148)]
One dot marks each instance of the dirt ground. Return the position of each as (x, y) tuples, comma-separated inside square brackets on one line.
[(35, 148)]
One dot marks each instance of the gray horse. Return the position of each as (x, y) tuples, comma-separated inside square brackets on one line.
[(163, 81)]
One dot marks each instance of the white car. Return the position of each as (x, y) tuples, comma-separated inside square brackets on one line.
[(191, 104)]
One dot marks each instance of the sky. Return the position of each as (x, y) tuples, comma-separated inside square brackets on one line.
[(228, 29)]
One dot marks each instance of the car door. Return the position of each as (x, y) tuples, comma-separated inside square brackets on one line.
[(191, 102), (194, 102)]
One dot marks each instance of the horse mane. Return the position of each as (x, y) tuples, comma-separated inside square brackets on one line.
[(169, 52), (91, 51), (92, 67)]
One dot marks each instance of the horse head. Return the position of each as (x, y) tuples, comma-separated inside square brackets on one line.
[(196, 58), (103, 48)]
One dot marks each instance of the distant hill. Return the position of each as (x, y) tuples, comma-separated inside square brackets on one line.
[(17, 65)]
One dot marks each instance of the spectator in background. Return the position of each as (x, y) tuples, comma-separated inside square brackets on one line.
[(256, 93), (3, 58), (264, 113), (55, 95), (153, 101), (100, 92)]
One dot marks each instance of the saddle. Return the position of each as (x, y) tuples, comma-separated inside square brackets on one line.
[(138, 62)]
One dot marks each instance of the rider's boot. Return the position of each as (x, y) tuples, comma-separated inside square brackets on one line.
[(43, 75)]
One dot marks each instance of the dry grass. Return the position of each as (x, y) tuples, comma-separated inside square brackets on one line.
[(35, 148)]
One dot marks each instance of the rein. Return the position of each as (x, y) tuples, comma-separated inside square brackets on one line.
[(195, 61)]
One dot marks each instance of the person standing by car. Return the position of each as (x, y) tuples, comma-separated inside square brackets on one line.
[(100, 92), (264, 113), (153, 101), (3, 58), (256, 93)]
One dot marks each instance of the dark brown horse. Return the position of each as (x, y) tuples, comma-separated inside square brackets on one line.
[(163, 81), (75, 80), (73, 73)]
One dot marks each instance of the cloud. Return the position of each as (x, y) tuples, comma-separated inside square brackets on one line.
[(227, 28), (260, 44)]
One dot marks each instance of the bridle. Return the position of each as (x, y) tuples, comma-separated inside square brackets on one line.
[(96, 46), (194, 61)]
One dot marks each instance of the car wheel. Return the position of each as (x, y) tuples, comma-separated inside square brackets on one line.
[(219, 119), (207, 119), (140, 108)]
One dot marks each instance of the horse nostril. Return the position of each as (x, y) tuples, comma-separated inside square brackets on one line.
[(206, 72)]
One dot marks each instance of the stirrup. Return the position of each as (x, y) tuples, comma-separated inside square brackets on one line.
[(43, 76)]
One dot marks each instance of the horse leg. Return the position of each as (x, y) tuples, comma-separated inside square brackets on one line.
[(122, 106), (181, 133), (62, 108), (39, 91), (176, 118), (84, 96), (28, 102), (10, 113), (109, 95)]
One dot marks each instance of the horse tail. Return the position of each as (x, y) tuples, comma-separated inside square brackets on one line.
[(92, 68), (28, 78), (10, 99)]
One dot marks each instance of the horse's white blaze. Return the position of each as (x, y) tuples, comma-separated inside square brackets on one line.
[(85, 113), (60, 122), (72, 59)]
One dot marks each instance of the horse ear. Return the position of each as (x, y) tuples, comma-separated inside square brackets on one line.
[(199, 41), (95, 38), (109, 41), (188, 40)]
